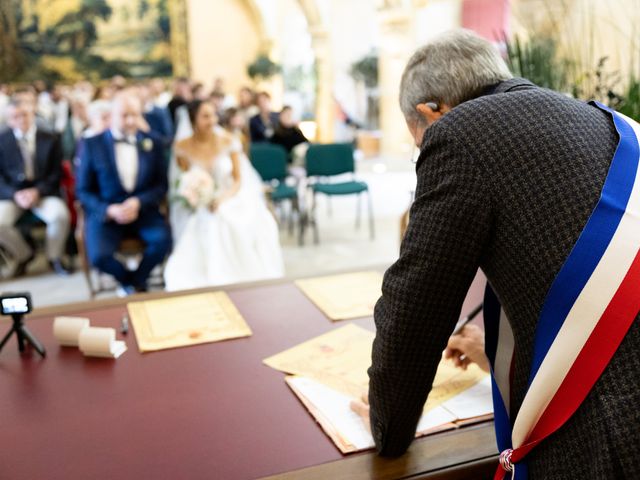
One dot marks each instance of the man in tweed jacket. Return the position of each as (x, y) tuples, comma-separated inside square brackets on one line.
[(508, 176)]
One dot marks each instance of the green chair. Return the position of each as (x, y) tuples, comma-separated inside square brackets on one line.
[(324, 161), (270, 161)]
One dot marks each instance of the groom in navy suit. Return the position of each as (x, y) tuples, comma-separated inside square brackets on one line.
[(121, 183)]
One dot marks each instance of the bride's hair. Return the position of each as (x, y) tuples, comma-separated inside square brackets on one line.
[(193, 108)]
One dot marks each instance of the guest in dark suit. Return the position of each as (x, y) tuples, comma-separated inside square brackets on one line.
[(508, 176), (181, 96), (160, 124), (287, 133), (158, 118), (262, 125), (30, 173), (121, 183)]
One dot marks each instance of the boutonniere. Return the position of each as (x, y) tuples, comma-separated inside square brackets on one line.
[(146, 144)]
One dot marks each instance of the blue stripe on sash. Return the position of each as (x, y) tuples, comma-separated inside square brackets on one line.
[(592, 243), (491, 312)]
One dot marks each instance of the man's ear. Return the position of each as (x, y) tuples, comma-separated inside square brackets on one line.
[(430, 115)]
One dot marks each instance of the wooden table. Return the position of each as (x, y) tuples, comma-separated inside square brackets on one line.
[(211, 411)]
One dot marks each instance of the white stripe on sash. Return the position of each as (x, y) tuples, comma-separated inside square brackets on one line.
[(584, 315), (504, 355)]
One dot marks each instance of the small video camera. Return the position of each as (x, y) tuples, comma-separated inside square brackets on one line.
[(15, 304)]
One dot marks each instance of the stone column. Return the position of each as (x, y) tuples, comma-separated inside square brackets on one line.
[(396, 46), (325, 108)]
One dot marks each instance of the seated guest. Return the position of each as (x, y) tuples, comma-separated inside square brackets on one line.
[(30, 173), (227, 235), (247, 102), (288, 135), (234, 122), (99, 117), (121, 183), (217, 100), (262, 125), (158, 118), (227, 101), (77, 124), (181, 96)]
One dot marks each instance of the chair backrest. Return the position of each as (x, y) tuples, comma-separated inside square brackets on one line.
[(330, 159), (269, 160)]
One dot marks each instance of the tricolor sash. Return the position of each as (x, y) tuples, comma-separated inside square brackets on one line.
[(588, 310)]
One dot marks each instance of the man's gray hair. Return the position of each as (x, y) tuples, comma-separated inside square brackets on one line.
[(452, 68)]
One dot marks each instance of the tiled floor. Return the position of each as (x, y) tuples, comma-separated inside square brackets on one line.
[(341, 246)]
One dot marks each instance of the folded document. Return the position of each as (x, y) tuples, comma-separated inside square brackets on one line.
[(332, 411)]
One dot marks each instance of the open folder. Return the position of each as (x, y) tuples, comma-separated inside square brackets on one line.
[(329, 371), (332, 411)]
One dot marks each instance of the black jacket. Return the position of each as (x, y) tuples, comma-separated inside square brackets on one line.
[(506, 182), (47, 165)]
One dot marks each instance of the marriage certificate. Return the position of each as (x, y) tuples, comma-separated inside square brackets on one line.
[(186, 320), (344, 297)]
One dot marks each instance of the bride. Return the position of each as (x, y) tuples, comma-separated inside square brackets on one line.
[(224, 237)]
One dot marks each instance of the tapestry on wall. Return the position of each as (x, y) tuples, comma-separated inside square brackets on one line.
[(94, 39)]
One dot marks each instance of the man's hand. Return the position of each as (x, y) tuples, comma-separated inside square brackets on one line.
[(361, 407), (27, 198), (143, 125), (125, 212), (131, 209), (467, 347)]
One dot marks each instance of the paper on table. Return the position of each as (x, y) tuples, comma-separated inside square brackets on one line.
[(67, 329), (186, 320), (450, 381), (344, 297), (340, 359), (347, 430), (100, 342), (476, 401)]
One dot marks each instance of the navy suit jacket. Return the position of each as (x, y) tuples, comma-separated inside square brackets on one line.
[(47, 165), (160, 123), (257, 128), (98, 183)]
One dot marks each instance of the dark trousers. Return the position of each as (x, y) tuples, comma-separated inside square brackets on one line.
[(104, 238)]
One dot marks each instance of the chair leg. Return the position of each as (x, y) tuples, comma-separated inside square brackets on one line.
[(372, 232), (314, 223), (86, 267), (291, 210), (358, 211)]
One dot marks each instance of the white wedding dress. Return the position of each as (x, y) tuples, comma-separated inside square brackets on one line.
[(238, 242)]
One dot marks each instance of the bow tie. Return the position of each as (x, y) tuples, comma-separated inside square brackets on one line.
[(128, 141)]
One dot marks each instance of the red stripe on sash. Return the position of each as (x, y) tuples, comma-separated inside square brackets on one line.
[(591, 361)]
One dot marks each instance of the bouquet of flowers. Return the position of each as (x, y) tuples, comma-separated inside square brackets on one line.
[(196, 188)]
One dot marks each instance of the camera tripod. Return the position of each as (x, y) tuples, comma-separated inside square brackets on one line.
[(24, 335)]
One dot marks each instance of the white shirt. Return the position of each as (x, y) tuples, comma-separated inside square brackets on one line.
[(127, 161), (29, 156), (30, 136)]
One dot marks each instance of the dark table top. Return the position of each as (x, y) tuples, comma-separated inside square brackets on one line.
[(207, 411)]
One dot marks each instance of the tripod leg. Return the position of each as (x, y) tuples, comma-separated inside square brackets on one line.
[(33, 341), (20, 339), (7, 337)]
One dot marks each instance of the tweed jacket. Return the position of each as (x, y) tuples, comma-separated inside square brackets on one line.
[(506, 183)]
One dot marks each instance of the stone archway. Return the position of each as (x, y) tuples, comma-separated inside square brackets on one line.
[(320, 42)]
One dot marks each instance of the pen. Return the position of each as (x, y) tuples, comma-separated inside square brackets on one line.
[(124, 328), (464, 320)]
